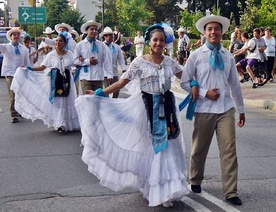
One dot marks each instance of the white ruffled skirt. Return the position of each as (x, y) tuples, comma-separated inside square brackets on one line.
[(32, 91), (118, 150)]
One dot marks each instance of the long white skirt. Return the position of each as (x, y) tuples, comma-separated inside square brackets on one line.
[(118, 149), (32, 91)]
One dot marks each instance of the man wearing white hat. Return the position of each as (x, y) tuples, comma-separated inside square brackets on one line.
[(44, 47), (15, 55), (61, 28), (117, 58), (75, 35), (183, 46), (219, 88), (93, 58)]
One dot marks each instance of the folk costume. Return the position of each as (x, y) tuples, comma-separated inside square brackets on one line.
[(137, 142), (37, 96)]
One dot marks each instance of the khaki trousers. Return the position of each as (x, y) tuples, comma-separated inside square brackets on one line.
[(106, 84), (91, 85), (205, 125), (13, 112)]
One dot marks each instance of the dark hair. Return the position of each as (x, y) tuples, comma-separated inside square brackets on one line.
[(63, 37), (150, 30), (212, 22), (268, 29), (245, 34), (26, 39), (257, 30)]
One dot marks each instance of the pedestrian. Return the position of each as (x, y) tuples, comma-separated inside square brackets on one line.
[(15, 55), (270, 52), (214, 69), (137, 142), (117, 58), (253, 55), (139, 42), (236, 45), (93, 59), (117, 36), (183, 46), (33, 54), (75, 35), (47, 92)]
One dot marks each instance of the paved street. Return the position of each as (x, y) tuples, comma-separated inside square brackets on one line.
[(42, 171)]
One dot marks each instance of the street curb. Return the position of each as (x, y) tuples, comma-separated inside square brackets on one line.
[(265, 104)]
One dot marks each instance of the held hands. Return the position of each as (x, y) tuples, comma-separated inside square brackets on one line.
[(195, 93), (81, 59), (89, 92), (93, 61), (213, 94)]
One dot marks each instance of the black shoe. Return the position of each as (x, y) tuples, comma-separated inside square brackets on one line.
[(234, 200), (61, 130), (242, 80), (255, 85), (15, 120), (196, 188)]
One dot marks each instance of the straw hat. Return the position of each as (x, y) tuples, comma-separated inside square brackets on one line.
[(9, 33), (67, 26), (181, 29), (48, 30), (74, 32), (106, 31), (225, 22), (89, 23)]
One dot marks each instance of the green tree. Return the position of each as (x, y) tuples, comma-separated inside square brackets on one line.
[(267, 14), (55, 8), (72, 17), (132, 14)]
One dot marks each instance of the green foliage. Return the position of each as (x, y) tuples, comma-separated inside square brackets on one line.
[(267, 12), (189, 20), (250, 16), (72, 17), (131, 13)]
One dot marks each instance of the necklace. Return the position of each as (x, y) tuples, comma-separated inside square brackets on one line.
[(159, 66)]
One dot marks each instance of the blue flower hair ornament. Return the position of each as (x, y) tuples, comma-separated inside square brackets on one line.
[(66, 35), (165, 28)]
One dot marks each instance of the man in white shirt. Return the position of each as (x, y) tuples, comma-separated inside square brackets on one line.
[(117, 58), (15, 55), (93, 58), (219, 88), (252, 57), (183, 46)]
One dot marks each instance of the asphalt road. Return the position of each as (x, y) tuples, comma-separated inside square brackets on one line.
[(43, 171)]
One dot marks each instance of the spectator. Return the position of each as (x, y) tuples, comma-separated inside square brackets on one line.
[(139, 42), (183, 46), (270, 52)]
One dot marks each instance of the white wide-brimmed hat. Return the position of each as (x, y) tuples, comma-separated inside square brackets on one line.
[(225, 22), (89, 23), (106, 31), (48, 30), (181, 29), (74, 32), (67, 26), (9, 33)]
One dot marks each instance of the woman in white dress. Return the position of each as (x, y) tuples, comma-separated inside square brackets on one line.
[(38, 94), (137, 142)]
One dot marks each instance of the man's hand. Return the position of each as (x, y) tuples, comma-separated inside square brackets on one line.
[(213, 94), (241, 120), (93, 61)]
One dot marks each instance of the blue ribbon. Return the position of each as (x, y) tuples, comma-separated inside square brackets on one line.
[(17, 52), (53, 75), (159, 127), (29, 68), (85, 69), (215, 58), (189, 101)]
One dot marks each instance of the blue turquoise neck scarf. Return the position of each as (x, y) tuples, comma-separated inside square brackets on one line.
[(94, 46), (215, 58), (17, 52), (111, 47)]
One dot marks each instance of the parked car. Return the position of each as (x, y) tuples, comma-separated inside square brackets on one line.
[(3, 39)]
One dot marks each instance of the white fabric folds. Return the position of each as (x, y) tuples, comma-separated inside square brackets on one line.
[(118, 149), (32, 91)]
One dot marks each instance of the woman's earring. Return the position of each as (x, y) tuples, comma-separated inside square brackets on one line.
[(150, 51)]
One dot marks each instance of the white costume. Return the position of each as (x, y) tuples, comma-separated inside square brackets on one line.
[(117, 138), (32, 92)]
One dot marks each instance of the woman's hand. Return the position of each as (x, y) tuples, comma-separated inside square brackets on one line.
[(89, 92)]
